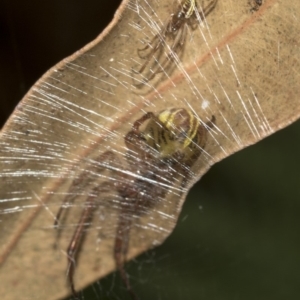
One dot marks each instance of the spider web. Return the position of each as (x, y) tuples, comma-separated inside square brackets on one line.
[(70, 119)]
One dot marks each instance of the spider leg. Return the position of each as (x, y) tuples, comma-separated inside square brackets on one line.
[(137, 124), (155, 45), (79, 234), (204, 12), (148, 58), (79, 185), (121, 248), (155, 42), (81, 182), (77, 239), (161, 67), (135, 141)]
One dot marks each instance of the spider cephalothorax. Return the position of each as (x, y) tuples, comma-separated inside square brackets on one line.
[(159, 148)]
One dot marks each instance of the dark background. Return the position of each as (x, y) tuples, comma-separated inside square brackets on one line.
[(237, 237)]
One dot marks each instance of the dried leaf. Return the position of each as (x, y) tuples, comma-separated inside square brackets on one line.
[(238, 65)]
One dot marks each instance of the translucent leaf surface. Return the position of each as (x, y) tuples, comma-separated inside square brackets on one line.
[(238, 65)]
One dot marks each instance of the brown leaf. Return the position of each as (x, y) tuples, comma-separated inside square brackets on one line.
[(238, 65)]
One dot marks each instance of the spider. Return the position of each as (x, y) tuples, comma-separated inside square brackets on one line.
[(166, 147), (175, 29)]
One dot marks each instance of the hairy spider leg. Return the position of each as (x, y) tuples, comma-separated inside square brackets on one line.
[(121, 249), (204, 12), (138, 123), (154, 48), (135, 142), (76, 242), (178, 41), (79, 234), (135, 204), (78, 185), (170, 56), (154, 43)]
